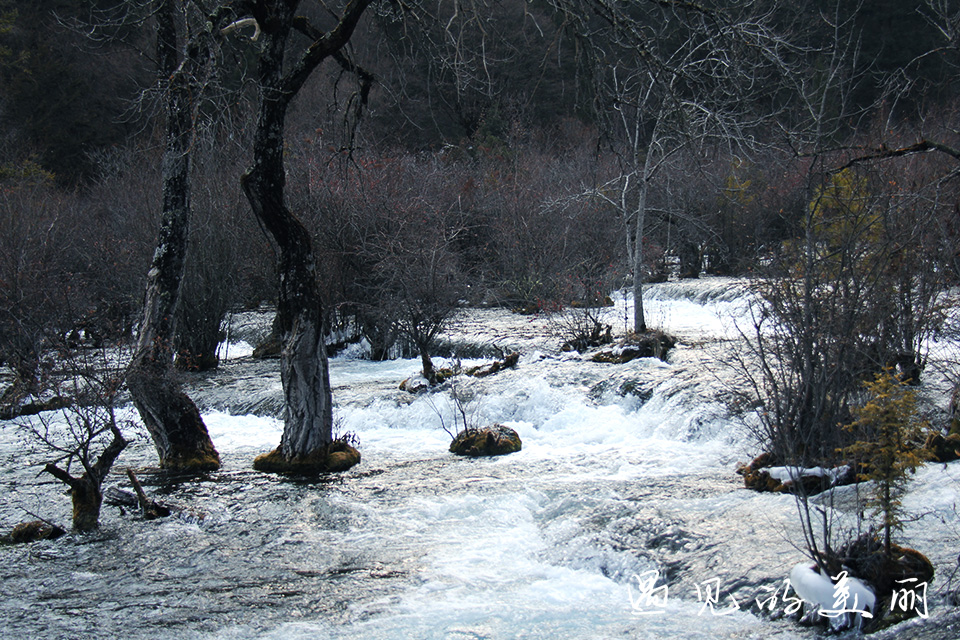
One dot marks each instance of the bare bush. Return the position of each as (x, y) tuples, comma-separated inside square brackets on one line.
[(86, 437)]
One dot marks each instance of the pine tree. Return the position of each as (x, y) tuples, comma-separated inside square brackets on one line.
[(889, 446)]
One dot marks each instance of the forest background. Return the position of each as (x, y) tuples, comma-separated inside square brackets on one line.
[(502, 171)]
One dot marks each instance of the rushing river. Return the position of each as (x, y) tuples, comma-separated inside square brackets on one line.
[(625, 481)]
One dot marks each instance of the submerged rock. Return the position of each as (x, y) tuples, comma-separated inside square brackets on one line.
[(495, 440), (31, 532), (338, 456)]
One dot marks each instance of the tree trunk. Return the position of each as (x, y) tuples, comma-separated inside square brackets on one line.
[(87, 500), (639, 321), (171, 418), (304, 369), (428, 371), (305, 446)]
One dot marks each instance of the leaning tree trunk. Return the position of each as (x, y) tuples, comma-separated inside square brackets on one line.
[(171, 417)]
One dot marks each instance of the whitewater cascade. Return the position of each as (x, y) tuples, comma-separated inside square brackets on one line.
[(620, 517)]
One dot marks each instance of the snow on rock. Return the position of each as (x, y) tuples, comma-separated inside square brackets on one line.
[(846, 602), (787, 475)]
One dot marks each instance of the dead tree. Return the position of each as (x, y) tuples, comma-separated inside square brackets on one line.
[(86, 491)]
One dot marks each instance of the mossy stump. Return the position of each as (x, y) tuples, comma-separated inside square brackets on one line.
[(336, 457), (495, 440)]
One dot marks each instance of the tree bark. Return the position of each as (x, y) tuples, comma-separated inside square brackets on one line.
[(428, 371), (171, 417)]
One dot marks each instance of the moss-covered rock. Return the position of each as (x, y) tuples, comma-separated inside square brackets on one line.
[(899, 580), (765, 459), (652, 344), (943, 448), (509, 362), (31, 532), (415, 384), (763, 474), (761, 481), (495, 440), (444, 374), (336, 457)]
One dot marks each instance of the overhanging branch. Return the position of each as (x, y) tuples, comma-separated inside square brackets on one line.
[(883, 153)]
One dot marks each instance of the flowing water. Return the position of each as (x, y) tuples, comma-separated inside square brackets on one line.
[(625, 481)]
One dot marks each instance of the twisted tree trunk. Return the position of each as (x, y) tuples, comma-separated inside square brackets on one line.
[(308, 417)]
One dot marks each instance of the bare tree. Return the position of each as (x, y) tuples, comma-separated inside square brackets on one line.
[(308, 418), (669, 76), (87, 433), (171, 417)]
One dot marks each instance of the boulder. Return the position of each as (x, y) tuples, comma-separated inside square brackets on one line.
[(652, 344), (759, 476), (338, 456), (495, 440)]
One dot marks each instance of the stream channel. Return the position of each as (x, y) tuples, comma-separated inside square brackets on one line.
[(626, 475)]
